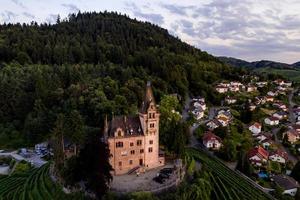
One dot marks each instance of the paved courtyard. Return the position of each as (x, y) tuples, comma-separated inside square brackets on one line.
[(143, 182)]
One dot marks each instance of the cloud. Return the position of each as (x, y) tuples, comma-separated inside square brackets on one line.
[(8, 16), (71, 7), (51, 19), (137, 12), (26, 14), (155, 18), (176, 9), (17, 2)]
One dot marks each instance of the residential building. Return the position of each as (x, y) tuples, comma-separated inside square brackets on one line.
[(255, 128), (211, 141), (258, 156), (272, 121), (292, 135), (289, 184), (279, 156)]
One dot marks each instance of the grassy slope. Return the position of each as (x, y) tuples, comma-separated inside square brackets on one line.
[(292, 74)]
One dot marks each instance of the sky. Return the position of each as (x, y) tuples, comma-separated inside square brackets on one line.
[(246, 29)]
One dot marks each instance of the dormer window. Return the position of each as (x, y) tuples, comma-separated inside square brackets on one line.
[(119, 132)]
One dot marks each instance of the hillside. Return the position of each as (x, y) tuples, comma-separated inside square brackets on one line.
[(288, 71), (234, 62), (96, 64)]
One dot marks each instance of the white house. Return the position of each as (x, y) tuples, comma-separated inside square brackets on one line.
[(213, 124), (211, 141), (280, 115), (271, 93), (221, 89), (234, 88), (279, 156), (272, 121), (255, 128), (199, 104), (263, 136), (251, 89), (230, 100), (198, 113), (289, 184), (267, 143)]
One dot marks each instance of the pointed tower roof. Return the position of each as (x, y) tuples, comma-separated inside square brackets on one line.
[(148, 98)]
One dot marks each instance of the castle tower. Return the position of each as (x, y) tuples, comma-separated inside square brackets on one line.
[(149, 118)]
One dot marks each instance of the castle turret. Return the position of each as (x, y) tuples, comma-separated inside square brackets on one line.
[(149, 118)]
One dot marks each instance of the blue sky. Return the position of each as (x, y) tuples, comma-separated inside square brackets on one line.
[(246, 29)]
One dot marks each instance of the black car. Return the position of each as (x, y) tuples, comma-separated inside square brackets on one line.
[(166, 171), (159, 179), (164, 175)]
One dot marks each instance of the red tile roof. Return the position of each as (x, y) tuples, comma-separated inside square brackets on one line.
[(259, 151), (280, 153), (208, 136)]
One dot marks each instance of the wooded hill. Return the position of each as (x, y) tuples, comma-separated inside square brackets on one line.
[(94, 64)]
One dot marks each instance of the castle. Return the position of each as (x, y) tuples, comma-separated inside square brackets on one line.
[(134, 140)]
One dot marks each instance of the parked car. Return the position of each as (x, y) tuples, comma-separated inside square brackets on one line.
[(159, 179), (167, 170)]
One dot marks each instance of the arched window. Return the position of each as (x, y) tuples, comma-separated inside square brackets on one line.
[(119, 133)]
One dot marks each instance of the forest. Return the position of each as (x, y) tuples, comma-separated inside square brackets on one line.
[(68, 76)]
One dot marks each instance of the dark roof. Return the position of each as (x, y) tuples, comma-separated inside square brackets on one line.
[(130, 125), (285, 182), (148, 98)]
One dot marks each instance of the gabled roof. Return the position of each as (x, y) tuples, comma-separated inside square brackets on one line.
[(130, 125), (256, 125), (209, 136), (259, 151), (272, 118), (285, 182), (280, 153)]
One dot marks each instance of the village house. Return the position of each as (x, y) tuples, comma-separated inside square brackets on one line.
[(134, 140), (280, 115), (223, 120), (279, 156), (199, 104), (292, 135), (252, 107), (255, 128), (261, 84), (211, 141), (272, 121), (251, 88), (221, 89), (279, 82), (260, 100), (280, 105), (224, 84), (263, 136), (234, 88), (258, 156), (267, 143), (272, 94), (269, 98), (212, 124), (198, 113), (289, 185), (230, 100)]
